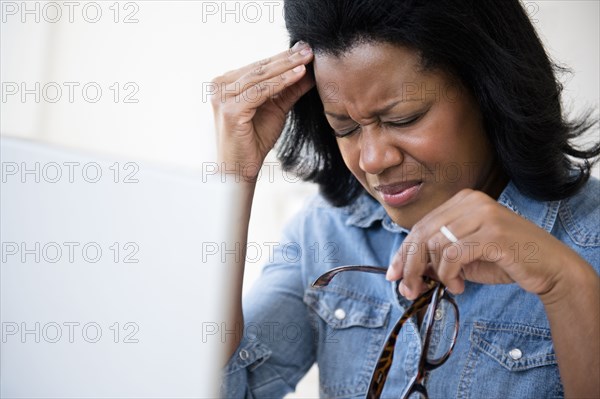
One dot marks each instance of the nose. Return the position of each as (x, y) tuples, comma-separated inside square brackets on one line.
[(377, 151)]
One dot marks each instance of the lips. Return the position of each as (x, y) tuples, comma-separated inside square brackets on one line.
[(401, 193), (396, 187)]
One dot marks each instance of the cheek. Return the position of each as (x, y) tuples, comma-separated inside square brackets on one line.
[(351, 155), (436, 143), (456, 138)]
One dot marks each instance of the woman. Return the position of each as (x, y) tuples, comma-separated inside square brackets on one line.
[(436, 135)]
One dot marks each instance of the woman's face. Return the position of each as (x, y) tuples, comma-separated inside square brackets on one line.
[(412, 138)]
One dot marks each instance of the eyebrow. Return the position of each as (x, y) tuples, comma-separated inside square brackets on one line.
[(379, 111)]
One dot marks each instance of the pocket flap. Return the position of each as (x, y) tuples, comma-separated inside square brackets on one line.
[(341, 308), (515, 346)]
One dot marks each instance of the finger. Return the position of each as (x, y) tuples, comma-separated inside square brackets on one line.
[(290, 95), (452, 248), (434, 247), (436, 243), (447, 210), (283, 90), (481, 257), (395, 270), (422, 251), (458, 230), (422, 234), (422, 237), (449, 269), (448, 223), (414, 267), (427, 264), (252, 95), (270, 75), (466, 203), (234, 75), (471, 259)]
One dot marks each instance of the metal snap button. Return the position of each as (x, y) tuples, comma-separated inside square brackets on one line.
[(244, 354), (515, 354), (340, 314), (439, 313)]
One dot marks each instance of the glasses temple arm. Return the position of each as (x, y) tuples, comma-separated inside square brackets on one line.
[(326, 277)]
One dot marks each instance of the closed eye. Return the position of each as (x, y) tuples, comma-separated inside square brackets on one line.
[(347, 133), (398, 124), (404, 122)]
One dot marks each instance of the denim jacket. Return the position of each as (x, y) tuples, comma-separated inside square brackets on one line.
[(504, 347)]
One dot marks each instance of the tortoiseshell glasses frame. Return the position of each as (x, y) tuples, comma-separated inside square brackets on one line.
[(430, 299)]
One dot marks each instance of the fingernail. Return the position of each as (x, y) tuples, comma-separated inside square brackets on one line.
[(298, 45), (408, 293), (298, 69), (401, 289), (306, 51)]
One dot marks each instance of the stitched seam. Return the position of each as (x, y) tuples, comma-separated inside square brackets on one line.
[(352, 294), (512, 327), (572, 229), (464, 382), (550, 218)]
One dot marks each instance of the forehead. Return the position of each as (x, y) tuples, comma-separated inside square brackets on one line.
[(369, 55), (368, 75)]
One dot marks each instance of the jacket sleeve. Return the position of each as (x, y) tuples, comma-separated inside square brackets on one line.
[(278, 344)]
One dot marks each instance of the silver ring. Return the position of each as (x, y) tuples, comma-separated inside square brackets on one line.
[(448, 234)]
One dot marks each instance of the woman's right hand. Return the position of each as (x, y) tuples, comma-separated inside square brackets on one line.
[(251, 104)]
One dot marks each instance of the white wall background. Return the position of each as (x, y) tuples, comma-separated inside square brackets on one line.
[(163, 53)]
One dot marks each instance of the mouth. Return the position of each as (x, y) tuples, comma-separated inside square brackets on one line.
[(399, 194)]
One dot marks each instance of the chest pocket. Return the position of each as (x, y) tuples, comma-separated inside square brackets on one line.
[(511, 360), (350, 329)]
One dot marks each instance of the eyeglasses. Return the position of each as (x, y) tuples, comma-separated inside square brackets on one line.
[(430, 299)]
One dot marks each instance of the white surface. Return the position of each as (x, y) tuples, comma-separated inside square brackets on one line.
[(136, 314)]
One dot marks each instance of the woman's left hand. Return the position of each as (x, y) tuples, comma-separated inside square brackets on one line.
[(494, 246)]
